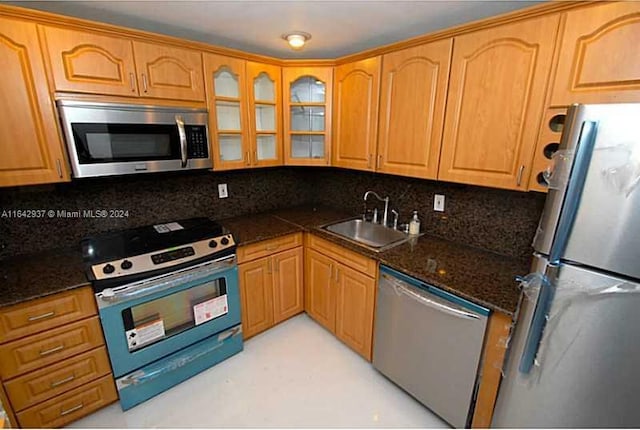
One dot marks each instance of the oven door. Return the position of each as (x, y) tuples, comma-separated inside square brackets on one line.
[(151, 319)]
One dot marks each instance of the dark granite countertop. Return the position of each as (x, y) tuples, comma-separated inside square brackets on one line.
[(477, 275), (28, 277)]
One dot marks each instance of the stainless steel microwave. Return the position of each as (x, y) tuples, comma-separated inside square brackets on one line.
[(106, 139)]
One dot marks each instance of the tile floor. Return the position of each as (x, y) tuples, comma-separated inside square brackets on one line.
[(294, 375)]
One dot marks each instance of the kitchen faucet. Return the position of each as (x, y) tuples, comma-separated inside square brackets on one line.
[(386, 205)]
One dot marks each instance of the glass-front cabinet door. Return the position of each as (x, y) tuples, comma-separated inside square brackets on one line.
[(265, 130), (307, 115), (226, 99)]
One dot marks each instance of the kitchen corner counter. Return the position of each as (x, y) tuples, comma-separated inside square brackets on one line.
[(28, 277), (481, 276)]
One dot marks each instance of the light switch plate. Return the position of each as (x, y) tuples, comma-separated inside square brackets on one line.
[(438, 203), (223, 193)]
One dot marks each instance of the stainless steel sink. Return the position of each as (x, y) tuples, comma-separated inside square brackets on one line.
[(374, 236)]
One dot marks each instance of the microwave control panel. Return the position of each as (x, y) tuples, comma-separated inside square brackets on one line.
[(197, 142)]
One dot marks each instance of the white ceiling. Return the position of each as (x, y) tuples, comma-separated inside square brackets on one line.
[(337, 27)]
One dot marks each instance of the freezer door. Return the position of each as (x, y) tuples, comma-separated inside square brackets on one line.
[(585, 372), (604, 233)]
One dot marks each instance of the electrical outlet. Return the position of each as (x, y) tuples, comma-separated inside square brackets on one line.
[(438, 203), (223, 193)]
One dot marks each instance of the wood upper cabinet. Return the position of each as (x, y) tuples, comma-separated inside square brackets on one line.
[(264, 90), (496, 99), (599, 60), (30, 144), (319, 290), (412, 105), (90, 63), (168, 72), (355, 114), (355, 299), (288, 278), (307, 115), (227, 101), (256, 295)]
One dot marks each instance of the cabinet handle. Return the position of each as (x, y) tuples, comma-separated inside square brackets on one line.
[(73, 409), (144, 82), (248, 159), (331, 274), (63, 381), (59, 167), (41, 317), (337, 274), (275, 266), (271, 248), (520, 172), (369, 161), (255, 157), (51, 351), (379, 161), (269, 268), (132, 82)]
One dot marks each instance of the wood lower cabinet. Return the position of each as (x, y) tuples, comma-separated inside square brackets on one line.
[(412, 103), (53, 362), (339, 297), (271, 286), (495, 102), (355, 111), (598, 59), (30, 144)]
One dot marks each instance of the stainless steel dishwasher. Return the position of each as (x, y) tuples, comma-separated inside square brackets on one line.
[(429, 342)]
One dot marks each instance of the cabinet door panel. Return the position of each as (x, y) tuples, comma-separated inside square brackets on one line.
[(354, 310), (495, 102), (91, 63), (29, 141), (225, 84), (264, 83), (288, 284), (356, 114), (168, 72), (319, 291), (412, 102), (599, 61), (256, 296)]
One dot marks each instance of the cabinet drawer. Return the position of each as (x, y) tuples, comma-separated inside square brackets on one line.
[(39, 350), (43, 314), (268, 247), (70, 406), (58, 378), (343, 255)]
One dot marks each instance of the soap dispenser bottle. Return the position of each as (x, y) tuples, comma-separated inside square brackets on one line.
[(414, 224)]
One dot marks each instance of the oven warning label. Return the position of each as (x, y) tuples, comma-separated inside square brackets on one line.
[(144, 334), (210, 309)]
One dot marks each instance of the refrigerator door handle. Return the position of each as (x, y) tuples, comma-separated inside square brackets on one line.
[(538, 321), (584, 149)]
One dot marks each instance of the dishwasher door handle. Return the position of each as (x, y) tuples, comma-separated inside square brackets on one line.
[(404, 288)]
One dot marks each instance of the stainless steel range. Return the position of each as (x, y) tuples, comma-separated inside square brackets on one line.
[(168, 301)]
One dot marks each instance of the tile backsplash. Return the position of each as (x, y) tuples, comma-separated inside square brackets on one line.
[(498, 220)]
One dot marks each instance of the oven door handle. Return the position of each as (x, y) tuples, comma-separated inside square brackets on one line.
[(111, 296), (183, 140)]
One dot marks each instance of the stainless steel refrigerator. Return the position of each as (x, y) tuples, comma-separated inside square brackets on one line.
[(574, 356)]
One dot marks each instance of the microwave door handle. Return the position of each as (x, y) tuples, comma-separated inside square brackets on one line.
[(183, 140)]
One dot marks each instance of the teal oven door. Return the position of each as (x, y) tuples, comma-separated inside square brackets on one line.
[(154, 318)]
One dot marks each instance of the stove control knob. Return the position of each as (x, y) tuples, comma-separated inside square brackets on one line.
[(225, 241), (126, 265), (108, 269), (213, 244)]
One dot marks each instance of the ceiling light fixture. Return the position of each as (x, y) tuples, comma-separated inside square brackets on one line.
[(296, 39)]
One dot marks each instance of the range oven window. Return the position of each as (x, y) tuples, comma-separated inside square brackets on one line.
[(100, 143), (153, 321)]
